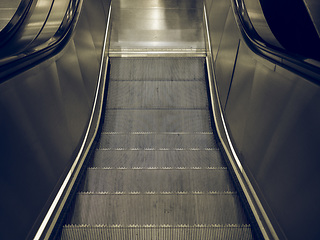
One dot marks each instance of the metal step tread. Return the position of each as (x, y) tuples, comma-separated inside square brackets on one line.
[(157, 141), (158, 232), (157, 94), (143, 120), (168, 69), (157, 158), (157, 180), (158, 208)]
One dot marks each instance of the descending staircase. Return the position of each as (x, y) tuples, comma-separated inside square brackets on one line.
[(157, 172)]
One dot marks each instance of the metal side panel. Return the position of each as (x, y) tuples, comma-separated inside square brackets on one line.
[(270, 132), (44, 116)]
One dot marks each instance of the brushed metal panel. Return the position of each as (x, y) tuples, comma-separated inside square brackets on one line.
[(268, 98), (237, 108), (74, 95), (273, 118), (288, 173), (43, 113), (88, 50), (226, 57), (208, 4), (29, 166), (95, 23), (217, 16)]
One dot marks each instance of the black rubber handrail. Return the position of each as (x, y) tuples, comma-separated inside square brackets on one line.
[(288, 60), (10, 29), (13, 65)]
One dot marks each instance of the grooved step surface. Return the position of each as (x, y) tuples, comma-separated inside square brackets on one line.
[(157, 158), (216, 232), (177, 120), (144, 209), (156, 4), (168, 69), (157, 172), (157, 141), (157, 94), (157, 180)]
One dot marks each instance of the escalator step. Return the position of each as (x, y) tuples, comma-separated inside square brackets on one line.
[(157, 158), (120, 120), (158, 209), (157, 69), (157, 95), (157, 180), (154, 141), (185, 232), (157, 172)]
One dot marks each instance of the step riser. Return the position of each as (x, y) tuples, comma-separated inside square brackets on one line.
[(158, 233), (155, 209), (157, 94), (130, 159), (179, 69), (157, 141), (101, 180), (119, 120)]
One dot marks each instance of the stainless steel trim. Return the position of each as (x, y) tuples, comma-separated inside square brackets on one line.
[(257, 209), (126, 53), (55, 208)]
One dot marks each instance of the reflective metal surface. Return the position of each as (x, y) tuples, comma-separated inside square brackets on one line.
[(270, 130), (154, 26), (217, 15), (7, 11), (226, 57), (30, 29), (44, 115), (53, 22), (259, 22)]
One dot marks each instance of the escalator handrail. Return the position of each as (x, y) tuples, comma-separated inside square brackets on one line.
[(13, 65), (290, 61), (16, 21)]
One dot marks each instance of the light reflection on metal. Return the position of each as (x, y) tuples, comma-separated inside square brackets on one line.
[(250, 193), (70, 178)]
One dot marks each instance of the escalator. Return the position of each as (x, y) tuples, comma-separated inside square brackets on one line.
[(157, 120), (157, 172)]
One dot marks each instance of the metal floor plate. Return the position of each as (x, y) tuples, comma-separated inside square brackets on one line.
[(157, 26)]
